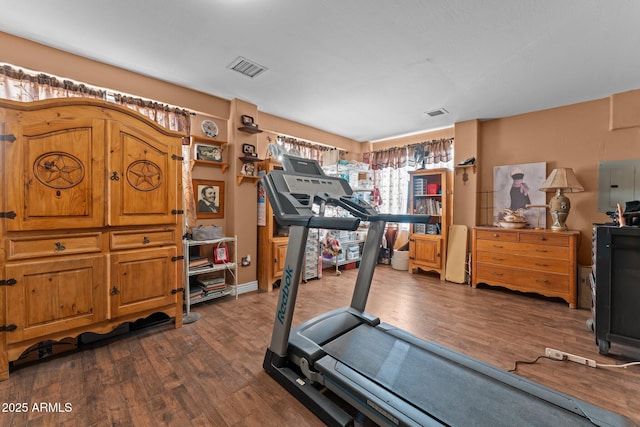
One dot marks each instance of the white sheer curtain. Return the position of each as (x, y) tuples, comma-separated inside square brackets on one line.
[(393, 185)]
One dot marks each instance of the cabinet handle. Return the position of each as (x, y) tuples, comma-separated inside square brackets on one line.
[(145, 240), (495, 273), (59, 247), (496, 235), (115, 290), (543, 238), (115, 176), (542, 281), (541, 250), (498, 246), (497, 259), (541, 265)]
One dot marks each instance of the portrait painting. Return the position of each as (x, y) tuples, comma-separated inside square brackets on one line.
[(515, 187), (209, 196)]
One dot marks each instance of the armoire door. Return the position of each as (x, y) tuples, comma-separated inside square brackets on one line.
[(54, 173), (142, 280), (55, 296), (143, 176)]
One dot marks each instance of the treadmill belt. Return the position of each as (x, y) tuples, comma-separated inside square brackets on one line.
[(447, 390)]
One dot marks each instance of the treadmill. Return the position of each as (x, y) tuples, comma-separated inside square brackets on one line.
[(386, 374)]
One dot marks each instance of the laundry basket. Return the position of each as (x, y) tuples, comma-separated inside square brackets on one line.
[(400, 260)]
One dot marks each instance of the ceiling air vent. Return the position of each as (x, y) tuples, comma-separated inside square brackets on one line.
[(437, 112), (247, 67)]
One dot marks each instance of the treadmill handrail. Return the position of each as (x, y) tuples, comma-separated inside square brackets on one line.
[(365, 211)]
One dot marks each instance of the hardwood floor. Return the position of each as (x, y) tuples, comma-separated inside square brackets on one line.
[(209, 373)]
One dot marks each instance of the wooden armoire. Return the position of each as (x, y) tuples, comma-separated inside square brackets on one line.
[(90, 221)]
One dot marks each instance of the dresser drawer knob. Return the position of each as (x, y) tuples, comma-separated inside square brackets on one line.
[(495, 273), (541, 250), (145, 240), (498, 246), (542, 281), (543, 238), (59, 247), (541, 265), (496, 235)]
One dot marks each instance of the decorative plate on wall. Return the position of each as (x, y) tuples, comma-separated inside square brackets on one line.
[(209, 128)]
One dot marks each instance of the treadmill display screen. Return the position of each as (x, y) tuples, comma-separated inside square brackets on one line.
[(302, 166)]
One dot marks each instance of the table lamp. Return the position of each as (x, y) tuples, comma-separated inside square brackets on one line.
[(561, 180)]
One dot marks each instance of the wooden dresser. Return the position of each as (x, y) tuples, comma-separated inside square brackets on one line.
[(539, 261), (90, 221)]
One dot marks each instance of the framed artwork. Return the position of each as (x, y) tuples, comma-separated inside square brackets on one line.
[(249, 169), (211, 153), (248, 149), (220, 254), (515, 186), (209, 196), (247, 120)]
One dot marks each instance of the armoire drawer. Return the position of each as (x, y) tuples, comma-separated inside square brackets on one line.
[(52, 245), (141, 239)]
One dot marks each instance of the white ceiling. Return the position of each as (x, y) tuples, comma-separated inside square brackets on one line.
[(364, 69)]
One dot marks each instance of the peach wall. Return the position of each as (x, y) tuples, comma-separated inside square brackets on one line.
[(575, 136)]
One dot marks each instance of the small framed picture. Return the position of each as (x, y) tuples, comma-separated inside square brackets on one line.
[(249, 169), (209, 196), (220, 254), (211, 153), (247, 120), (248, 149)]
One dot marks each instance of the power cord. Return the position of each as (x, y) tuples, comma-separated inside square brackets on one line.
[(529, 362), (624, 365), (560, 356)]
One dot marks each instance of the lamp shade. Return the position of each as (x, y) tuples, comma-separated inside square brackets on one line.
[(562, 178)]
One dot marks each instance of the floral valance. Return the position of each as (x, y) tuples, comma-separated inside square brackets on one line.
[(429, 154), (305, 149), (27, 86)]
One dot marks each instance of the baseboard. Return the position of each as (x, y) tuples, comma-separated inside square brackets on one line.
[(247, 287)]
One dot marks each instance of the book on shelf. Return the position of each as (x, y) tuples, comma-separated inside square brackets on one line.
[(195, 293), (199, 261), (211, 283)]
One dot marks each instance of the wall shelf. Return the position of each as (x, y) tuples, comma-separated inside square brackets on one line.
[(250, 129), (252, 159), (209, 141), (222, 165), (241, 178)]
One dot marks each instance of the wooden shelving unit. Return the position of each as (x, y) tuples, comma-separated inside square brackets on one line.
[(430, 193)]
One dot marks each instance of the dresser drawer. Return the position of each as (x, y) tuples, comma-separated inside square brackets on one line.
[(547, 239), (53, 245), (529, 281), (499, 235), (141, 239), (524, 249), (553, 265)]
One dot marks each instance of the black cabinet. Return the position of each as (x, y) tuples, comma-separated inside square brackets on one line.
[(617, 308)]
